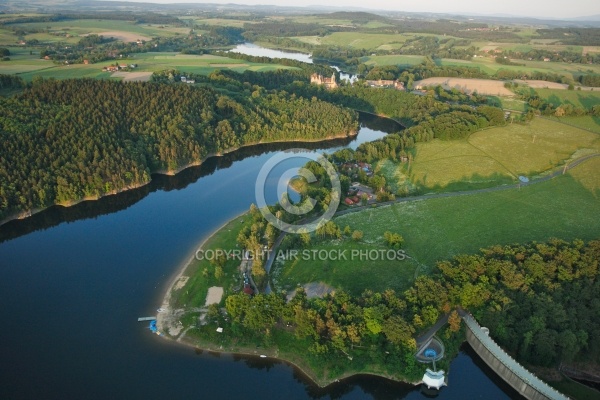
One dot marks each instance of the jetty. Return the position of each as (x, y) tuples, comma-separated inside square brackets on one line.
[(140, 319)]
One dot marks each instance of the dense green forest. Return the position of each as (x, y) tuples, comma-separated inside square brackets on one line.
[(435, 118), (540, 300), (65, 140)]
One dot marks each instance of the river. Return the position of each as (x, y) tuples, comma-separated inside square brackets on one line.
[(74, 280)]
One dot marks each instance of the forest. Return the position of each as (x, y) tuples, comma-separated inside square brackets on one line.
[(63, 141), (540, 300)]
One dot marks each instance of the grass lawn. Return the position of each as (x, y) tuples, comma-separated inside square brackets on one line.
[(587, 122), (435, 229), (498, 155), (193, 294), (352, 274), (509, 103)]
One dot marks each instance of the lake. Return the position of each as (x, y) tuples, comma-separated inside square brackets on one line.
[(258, 51), (74, 280)]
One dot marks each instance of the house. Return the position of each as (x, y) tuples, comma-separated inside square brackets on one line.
[(248, 289), (183, 79), (386, 83), (190, 81), (86, 62), (348, 201), (329, 83)]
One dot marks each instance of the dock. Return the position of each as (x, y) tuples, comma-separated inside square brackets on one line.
[(140, 319)]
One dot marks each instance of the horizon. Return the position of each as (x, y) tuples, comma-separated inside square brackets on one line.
[(533, 9)]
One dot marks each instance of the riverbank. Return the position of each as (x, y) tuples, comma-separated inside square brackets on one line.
[(28, 213), (283, 345)]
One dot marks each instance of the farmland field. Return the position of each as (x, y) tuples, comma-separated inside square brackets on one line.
[(481, 86), (392, 60), (87, 26), (586, 122), (28, 66), (489, 66), (494, 156), (578, 98), (359, 40), (439, 228)]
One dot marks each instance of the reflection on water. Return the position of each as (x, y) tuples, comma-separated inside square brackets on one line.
[(71, 294), (258, 51), (371, 128), (252, 49)]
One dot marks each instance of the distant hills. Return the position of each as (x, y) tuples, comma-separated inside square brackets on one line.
[(63, 5)]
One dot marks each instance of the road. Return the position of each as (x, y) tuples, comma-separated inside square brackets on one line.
[(273, 253)]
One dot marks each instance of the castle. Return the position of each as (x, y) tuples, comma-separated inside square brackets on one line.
[(329, 83)]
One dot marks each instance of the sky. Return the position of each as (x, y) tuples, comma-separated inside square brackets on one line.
[(529, 8)]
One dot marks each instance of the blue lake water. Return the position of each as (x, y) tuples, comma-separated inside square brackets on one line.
[(74, 280)]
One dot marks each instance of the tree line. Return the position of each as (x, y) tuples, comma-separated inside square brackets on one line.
[(67, 140), (540, 301)]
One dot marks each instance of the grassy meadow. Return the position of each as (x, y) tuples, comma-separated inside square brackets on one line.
[(72, 30), (28, 66), (193, 293), (435, 229), (491, 157), (577, 98)]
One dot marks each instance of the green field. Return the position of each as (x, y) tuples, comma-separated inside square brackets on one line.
[(490, 66), (587, 122), (362, 40), (28, 66), (74, 28), (494, 156), (566, 207), (236, 23), (578, 98), (392, 60)]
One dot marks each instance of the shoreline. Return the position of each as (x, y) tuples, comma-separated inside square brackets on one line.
[(271, 353), (28, 213)]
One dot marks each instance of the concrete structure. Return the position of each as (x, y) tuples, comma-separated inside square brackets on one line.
[(523, 381)]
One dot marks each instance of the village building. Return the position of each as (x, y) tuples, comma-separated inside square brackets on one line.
[(386, 83), (329, 83)]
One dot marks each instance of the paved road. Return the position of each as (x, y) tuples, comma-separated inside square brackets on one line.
[(424, 338)]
